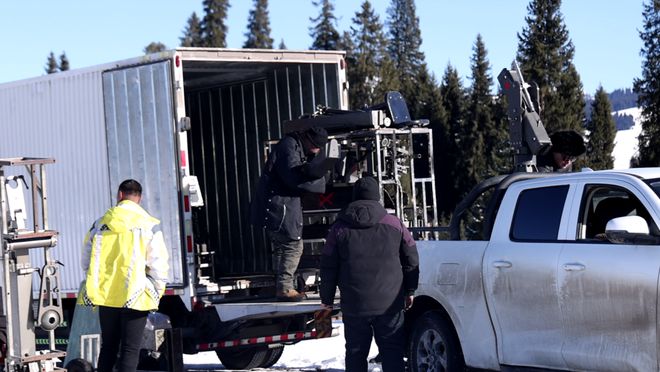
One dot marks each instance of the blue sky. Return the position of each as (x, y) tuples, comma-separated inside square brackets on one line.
[(604, 32)]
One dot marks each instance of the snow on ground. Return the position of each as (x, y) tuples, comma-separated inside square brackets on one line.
[(326, 354), (625, 142)]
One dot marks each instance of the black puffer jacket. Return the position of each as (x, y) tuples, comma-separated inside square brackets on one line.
[(373, 259), (287, 175)]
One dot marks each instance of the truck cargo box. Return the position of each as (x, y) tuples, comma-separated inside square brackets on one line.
[(160, 118)]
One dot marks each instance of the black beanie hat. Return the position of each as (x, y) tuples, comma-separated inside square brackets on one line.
[(317, 136), (366, 188), (568, 142)]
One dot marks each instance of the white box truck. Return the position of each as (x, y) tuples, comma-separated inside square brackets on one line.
[(190, 125)]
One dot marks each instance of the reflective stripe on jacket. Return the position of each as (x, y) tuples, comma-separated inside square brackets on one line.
[(125, 258)]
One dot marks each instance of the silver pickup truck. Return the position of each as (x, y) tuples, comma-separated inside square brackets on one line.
[(565, 277)]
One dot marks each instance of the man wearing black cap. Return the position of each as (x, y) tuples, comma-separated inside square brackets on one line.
[(373, 259), (566, 146), (294, 166)]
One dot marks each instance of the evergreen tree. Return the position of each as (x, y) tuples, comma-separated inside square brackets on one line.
[(282, 45), (323, 31), (480, 130), (451, 182), (214, 30), (404, 44), (192, 35), (51, 64), (366, 58), (545, 53), (258, 34), (648, 88), (64, 62), (154, 47), (601, 133)]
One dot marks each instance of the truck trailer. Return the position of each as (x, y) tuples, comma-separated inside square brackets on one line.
[(193, 126)]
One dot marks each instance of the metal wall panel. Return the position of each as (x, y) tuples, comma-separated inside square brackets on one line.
[(61, 116), (141, 145), (230, 125)]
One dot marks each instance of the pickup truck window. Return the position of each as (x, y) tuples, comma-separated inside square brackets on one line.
[(602, 203), (655, 185), (538, 214)]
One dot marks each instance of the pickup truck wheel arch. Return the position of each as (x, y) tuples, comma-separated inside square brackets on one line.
[(434, 345)]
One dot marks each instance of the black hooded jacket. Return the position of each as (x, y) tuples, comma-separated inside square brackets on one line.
[(287, 175), (373, 259)]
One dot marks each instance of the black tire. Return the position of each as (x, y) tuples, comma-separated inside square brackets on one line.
[(79, 365), (243, 358), (434, 346), (273, 356)]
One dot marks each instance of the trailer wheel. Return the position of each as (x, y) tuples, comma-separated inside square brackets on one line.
[(273, 356), (79, 365), (243, 358), (434, 346)]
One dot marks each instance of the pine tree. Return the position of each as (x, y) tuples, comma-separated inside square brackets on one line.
[(480, 128), (601, 133), (282, 45), (648, 89), (192, 35), (214, 30), (366, 58), (154, 47), (404, 44), (451, 179), (545, 53), (258, 34), (64, 62), (323, 31), (51, 64)]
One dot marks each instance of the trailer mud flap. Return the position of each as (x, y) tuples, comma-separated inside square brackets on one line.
[(323, 323)]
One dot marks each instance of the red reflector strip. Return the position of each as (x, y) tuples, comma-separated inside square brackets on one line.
[(173, 292), (183, 158), (258, 340), (189, 243), (186, 203), (69, 295)]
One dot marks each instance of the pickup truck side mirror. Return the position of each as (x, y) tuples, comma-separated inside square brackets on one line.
[(630, 230), (629, 224)]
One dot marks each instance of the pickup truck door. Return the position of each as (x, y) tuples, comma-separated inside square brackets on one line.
[(608, 292), (520, 267)]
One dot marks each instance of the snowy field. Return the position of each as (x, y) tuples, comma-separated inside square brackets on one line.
[(317, 355), (625, 143)]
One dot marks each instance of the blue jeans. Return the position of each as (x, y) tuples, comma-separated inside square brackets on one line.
[(390, 338)]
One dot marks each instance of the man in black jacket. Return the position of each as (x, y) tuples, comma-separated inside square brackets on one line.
[(373, 259), (566, 146), (295, 166)]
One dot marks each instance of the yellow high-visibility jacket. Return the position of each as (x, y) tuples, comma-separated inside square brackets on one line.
[(125, 258)]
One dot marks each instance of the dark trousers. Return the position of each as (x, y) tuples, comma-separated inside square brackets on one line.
[(390, 338), (121, 331), (286, 256)]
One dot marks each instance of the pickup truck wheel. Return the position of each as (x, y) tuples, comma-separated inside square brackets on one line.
[(273, 356), (434, 347), (243, 359)]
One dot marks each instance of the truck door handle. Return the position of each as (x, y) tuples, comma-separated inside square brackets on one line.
[(502, 264), (574, 267)]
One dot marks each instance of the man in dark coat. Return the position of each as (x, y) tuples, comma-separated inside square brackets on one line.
[(566, 146), (373, 259), (295, 166)]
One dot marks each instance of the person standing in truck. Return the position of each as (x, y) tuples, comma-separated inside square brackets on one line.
[(126, 262), (566, 146), (372, 258), (295, 166)]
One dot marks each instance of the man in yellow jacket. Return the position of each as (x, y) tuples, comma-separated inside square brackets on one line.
[(126, 261)]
